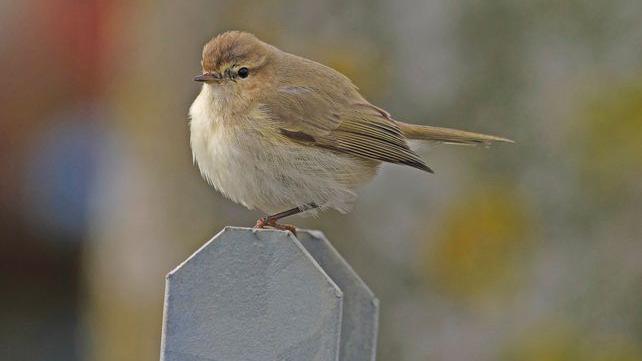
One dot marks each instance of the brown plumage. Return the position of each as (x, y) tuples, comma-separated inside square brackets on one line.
[(264, 95)]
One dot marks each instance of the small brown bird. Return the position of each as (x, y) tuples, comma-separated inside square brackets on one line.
[(275, 131)]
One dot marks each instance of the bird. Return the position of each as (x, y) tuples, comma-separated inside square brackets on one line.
[(283, 134)]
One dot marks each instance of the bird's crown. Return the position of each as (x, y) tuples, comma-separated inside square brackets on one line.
[(233, 48)]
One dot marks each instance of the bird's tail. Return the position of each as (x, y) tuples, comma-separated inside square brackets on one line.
[(447, 135)]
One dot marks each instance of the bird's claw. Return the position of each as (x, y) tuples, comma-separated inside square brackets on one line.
[(267, 222)]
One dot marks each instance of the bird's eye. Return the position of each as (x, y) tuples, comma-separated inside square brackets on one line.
[(244, 72)]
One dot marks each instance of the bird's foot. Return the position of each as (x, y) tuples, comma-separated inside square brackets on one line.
[(268, 222)]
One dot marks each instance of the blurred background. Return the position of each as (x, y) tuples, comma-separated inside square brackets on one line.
[(530, 251)]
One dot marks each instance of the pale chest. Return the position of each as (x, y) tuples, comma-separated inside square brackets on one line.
[(248, 160), (230, 158)]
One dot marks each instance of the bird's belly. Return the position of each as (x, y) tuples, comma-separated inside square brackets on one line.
[(260, 170)]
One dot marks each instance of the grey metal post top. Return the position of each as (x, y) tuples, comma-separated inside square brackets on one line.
[(266, 295)]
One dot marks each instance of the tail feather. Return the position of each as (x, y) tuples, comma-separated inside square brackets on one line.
[(447, 135)]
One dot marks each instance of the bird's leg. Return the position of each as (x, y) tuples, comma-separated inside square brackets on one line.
[(270, 221)]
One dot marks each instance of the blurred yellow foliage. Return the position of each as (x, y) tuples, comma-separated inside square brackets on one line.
[(611, 135), (479, 241), (553, 343), (558, 342), (363, 65)]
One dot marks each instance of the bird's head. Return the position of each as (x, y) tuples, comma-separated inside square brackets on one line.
[(237, 66)]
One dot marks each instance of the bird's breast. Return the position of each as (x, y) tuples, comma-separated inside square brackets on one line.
[(228, 148), (248, 160)]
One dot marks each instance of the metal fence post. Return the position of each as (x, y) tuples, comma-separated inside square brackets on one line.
[(266, 295)]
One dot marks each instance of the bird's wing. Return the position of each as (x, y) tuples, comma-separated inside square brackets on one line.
[(368, 132), (346, 123), (304, 108)]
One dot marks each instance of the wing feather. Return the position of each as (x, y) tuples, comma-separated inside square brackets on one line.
[(317, 106)]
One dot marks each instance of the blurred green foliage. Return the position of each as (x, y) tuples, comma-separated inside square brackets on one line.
[(610, 142), (481, 242), (556, 341)]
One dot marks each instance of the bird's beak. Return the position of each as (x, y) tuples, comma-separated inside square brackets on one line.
[(205, 77)]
